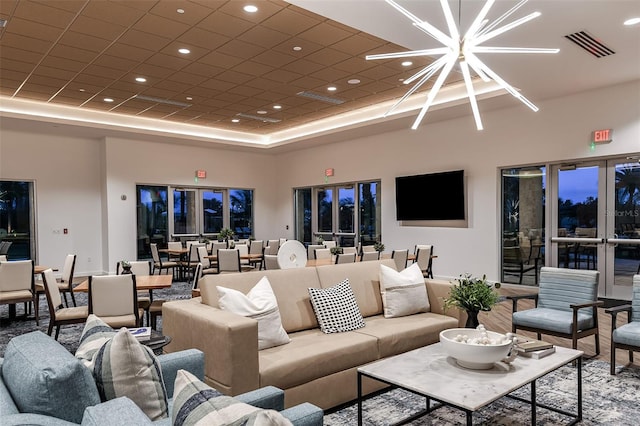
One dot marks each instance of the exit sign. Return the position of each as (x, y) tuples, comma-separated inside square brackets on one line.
[(602, 136), (201, 174)]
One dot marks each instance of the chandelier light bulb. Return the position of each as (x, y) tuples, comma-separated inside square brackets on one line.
[(463, 52)]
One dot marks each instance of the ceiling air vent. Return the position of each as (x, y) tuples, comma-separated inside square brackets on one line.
[(162, 101), (319, 97), (590, 44)]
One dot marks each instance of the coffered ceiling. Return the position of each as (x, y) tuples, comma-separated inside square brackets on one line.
[(246, 72)]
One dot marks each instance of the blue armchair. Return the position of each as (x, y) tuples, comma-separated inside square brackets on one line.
[(566, 306), (42, 383), (626, 336)]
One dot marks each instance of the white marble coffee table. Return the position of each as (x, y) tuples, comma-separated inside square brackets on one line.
[(429, 372)]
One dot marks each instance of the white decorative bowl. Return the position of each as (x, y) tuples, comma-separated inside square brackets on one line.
[(474, 356)]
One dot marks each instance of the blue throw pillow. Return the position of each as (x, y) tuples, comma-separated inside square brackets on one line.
[(44, 378)]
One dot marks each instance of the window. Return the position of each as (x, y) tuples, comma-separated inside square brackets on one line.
[(302, 202), (241, 212), (17, 219)]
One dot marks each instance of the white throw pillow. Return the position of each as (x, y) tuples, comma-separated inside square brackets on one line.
[(260, 304), (403, 293)]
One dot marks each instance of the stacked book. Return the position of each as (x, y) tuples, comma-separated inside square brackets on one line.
[(532, 348)]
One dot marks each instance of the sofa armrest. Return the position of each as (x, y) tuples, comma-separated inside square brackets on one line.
[(438, 291), (268, 397), (118, 411), (7, 405), (22, 419), (229, 343), (305, 414), (191, 360)]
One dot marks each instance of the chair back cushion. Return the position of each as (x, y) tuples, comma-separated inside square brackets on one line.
[(16, 275), (112, 295), (45, 378), (560, 287), (52, 290), (635, 300), (67, 269)]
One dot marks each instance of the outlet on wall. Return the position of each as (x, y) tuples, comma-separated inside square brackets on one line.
[(88, 260)]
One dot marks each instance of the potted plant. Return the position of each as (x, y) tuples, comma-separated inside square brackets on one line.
[(378, 246), (225, 234), (473, 295), (126, 267), (319, 239)]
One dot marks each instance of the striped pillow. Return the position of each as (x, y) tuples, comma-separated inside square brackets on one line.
[(125, 367), (94, 335), (195, 403)]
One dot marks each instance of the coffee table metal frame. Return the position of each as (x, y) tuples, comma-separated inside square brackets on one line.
[(563, 356)]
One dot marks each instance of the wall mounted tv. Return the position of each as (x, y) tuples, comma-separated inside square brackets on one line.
[(434, 196)]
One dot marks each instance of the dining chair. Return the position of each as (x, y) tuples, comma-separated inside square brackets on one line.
[(257, 247), (192, 259), (174, 245), (311, 250), (272, 250), (271, 262), (140, 268), (348, 250), (369, 255), (274, 244), (17, 285), (400, 258), (65, 283), (322, 253), (626, 336), (243, 250), (114, 299), (205, 263), (566, 305), (424, 253), (369, 248), (228, 261), (195, 288), (58, 314), (330, 244), (345, 258), (160, 264)]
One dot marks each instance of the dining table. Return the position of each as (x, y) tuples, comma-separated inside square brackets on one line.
[(143, 283)]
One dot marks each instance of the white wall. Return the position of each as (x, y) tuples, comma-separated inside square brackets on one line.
[(516, 136), (79, 182)]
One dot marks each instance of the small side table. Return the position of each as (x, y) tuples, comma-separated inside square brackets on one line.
[(156, 342)]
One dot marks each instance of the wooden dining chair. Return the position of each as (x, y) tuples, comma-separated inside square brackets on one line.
[(369, 255), (400, 258), (17, 285), (140, 268), (345, 258), (271, 262), (58, 314), (114, 299), (159, 263), (228, 261)]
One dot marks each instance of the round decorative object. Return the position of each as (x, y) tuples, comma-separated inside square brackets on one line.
[(476, 349), (292, 254)]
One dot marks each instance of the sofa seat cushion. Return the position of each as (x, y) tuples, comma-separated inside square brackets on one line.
[(551, 319), (398, 335), (313, 354), (44, 378)]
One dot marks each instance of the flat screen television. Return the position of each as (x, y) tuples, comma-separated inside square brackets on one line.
[(433, 196)]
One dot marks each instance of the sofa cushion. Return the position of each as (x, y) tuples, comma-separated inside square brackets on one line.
[(94, 335), (403, 293), (364, 278), (336, 308), (289, 285), (195, 403), (44, 378), (260, 304), (125, 367), (313, 354)]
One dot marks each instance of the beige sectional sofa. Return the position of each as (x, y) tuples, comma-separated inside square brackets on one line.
[(314, 367)]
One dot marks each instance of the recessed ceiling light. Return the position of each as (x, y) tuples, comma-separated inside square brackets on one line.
[(108, 100), (250, 8), (261, 111), (353, 81), (297, 48), (332, 88), (632, 21), (184, 51), (407, 63), (235, 120), (141, 79), (81, 90), (189, 98), (180, 11), (277, 107)]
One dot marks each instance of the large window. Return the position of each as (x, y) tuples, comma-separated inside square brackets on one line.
[(16, 219), (347, 213), (195, 213)]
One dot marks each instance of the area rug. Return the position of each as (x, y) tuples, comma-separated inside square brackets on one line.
[(70, 334), (607, 400)]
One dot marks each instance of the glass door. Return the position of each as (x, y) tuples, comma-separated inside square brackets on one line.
[(596, 221), (622, 249)]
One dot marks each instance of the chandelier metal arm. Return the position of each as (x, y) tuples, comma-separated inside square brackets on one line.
[(471, 93), (501, 18), (412, 53), (492, 49), (429, 70), (475, 26), (488, 36), (451, 60), (448, 16), (437, 34)]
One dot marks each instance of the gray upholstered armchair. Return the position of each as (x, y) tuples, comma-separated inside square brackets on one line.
[(626, 336), (566, 306)]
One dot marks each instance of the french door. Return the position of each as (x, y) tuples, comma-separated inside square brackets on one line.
[(196, 212), (595, 221)]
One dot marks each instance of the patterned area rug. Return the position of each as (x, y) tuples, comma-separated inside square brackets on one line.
[(607, 400), (70, 334)]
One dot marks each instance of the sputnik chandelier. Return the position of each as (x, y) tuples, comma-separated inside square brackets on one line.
[(463, 51)]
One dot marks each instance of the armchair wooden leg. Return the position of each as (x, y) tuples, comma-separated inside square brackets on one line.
[(613, 359), (57, 331), (50, 327), (631, 356), (597, 336)]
